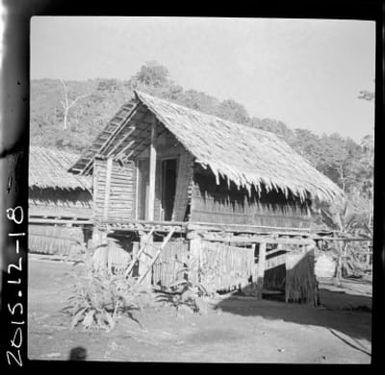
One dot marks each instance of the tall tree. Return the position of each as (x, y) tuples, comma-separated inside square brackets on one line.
[(340, 160), (152, 74), (233, 111), (199, 101), (308, 145)]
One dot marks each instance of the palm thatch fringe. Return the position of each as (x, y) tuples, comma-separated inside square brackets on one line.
[(301, 282), (224, 267), (247, 156)]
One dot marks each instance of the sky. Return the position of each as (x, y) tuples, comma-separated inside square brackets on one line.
[(304, 72)]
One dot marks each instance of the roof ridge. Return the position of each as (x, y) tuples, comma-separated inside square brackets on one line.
[(284, 168), (248, 127)]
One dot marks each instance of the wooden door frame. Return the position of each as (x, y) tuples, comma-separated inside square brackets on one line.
[(137, 186), (160, 159)]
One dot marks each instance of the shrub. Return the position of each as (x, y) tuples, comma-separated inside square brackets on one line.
[(99, 298), (182, 292)]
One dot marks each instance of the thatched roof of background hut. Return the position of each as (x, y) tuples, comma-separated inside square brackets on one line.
[(247, 156), (48, 168)]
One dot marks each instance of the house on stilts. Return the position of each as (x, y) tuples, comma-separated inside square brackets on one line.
[(236, 199), (56, 197)]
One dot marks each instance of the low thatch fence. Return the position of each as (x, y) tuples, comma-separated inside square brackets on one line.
[(172, 263), (225, 267), (55, 240), (218, 267)]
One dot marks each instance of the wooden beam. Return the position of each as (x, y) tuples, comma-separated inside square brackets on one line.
[(95, 184), (347, 239), (253, 239), (195, 246), (122, 140), (245, 228), (152, 173), (137, 256), (121, 154), (146, 242), (120, 126), (108, 189), (111, 138), (156, 256), (125, 158), (37, 220), (261, 268)]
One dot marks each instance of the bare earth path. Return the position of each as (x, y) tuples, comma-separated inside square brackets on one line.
[(233, 330)]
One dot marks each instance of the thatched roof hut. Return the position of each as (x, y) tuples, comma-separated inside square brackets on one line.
[(54, 194), (53, 191), (158, 165), (249, 167)]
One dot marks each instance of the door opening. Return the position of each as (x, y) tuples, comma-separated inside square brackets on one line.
[(169, 172)]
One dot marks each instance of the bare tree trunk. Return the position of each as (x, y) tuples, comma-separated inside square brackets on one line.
[(65, 118), (67, 105)]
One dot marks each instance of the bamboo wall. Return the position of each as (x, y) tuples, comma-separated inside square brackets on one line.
[(225, 267), (122, 197), (221, 204), (172, 260), (222, 267)]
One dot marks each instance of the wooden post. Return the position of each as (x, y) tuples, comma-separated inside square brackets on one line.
[(101, 245), (152, 173), (156, 256), (261, 268), (146, 242), (338, 276), (255, 267), (136, 256), (108, 189), (195, 244)]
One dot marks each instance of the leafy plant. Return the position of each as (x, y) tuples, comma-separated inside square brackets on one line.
[(99, 298), (183, 292), (349, 221)]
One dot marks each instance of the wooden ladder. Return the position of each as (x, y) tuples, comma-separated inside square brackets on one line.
[(154, 258)]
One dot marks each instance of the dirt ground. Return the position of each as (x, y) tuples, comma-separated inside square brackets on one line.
[(235, 329)]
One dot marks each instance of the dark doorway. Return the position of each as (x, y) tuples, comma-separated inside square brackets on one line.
[(169, 171)]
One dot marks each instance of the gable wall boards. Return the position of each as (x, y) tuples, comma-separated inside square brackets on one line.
[(119, 204)]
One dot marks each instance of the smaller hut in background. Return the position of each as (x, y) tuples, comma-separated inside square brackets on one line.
[(54, 195)]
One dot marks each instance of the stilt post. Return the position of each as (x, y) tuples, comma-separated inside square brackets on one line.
[(261, 268)]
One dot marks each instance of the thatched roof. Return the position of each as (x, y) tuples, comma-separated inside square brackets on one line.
[(247, 156), (48, 168)]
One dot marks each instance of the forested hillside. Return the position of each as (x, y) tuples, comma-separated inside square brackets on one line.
[(68, 115)]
